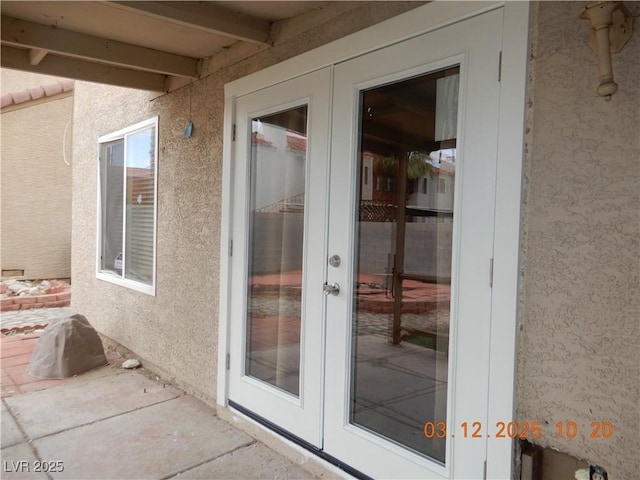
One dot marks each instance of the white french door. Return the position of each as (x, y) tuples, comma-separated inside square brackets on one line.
[(413, 165), (279, 210), (363, 208)]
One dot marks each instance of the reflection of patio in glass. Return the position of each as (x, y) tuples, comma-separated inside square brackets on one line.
[(400, 381), (276, 307), (397, 388)]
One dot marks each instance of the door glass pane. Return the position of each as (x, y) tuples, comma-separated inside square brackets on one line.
[(278, 159), (403, 251)]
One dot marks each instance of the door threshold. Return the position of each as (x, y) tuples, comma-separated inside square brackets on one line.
[(338, 466)]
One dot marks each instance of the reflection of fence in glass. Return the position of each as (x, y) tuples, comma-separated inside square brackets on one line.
[(291, 204), (427, 248)]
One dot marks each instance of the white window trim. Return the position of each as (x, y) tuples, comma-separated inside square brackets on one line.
[(105, 275)]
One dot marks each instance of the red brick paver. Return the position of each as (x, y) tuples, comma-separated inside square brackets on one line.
[(268, 332), (417, 297), (15, 355)]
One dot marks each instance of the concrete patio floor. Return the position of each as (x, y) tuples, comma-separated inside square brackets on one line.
[(112, 423)]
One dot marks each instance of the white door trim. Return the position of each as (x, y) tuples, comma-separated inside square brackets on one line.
[(504, 307), (513, 89)]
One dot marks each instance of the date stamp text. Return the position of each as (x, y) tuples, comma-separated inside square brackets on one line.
[(523, 430)]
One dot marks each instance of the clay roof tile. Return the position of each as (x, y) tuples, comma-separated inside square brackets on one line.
[(6, 100), (52, 89), (20, 97), (36, 93)]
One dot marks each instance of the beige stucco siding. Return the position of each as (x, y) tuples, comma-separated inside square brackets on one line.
[(36, 189), (579, 352), (177, 329)]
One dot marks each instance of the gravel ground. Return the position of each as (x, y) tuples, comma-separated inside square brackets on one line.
[(31, 317), (368, 322)]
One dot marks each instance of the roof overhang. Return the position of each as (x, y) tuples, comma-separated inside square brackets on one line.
[(141, 44)]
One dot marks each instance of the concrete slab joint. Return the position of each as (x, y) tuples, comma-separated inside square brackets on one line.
[(113, 423)]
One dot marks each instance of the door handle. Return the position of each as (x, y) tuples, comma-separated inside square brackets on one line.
[(333, 289)]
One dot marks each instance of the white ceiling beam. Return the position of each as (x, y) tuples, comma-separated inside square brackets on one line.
[(36, 56), (35, 36), (18, 59), (205, 16)]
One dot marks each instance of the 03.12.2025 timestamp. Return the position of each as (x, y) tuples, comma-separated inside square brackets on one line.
[(517, 430)]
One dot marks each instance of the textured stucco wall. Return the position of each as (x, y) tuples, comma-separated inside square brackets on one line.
[(177, 329), (36, 189), (579, 352), (174, 330)]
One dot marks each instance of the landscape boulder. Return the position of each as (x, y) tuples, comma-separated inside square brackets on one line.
[(68, 346)]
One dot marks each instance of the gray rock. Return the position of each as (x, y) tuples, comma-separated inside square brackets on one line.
[(68, 346), (131, 363), (17, 287)]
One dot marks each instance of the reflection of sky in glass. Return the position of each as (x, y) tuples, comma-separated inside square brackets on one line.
[(139, 149)]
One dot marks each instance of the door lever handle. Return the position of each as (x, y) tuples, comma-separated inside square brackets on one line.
[(333, 289)]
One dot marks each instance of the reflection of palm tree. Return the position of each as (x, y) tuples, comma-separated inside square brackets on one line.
[(407, 167), (417, 165)]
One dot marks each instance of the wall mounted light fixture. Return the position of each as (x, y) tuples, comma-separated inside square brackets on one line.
[(611, 28)]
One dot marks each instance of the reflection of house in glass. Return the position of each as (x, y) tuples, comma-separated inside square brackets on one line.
[(281, 169), (433, 191)]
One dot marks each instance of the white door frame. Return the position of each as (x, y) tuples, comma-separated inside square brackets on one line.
[(513, 88)]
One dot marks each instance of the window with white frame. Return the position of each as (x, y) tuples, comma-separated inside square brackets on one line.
[(127, 206)]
